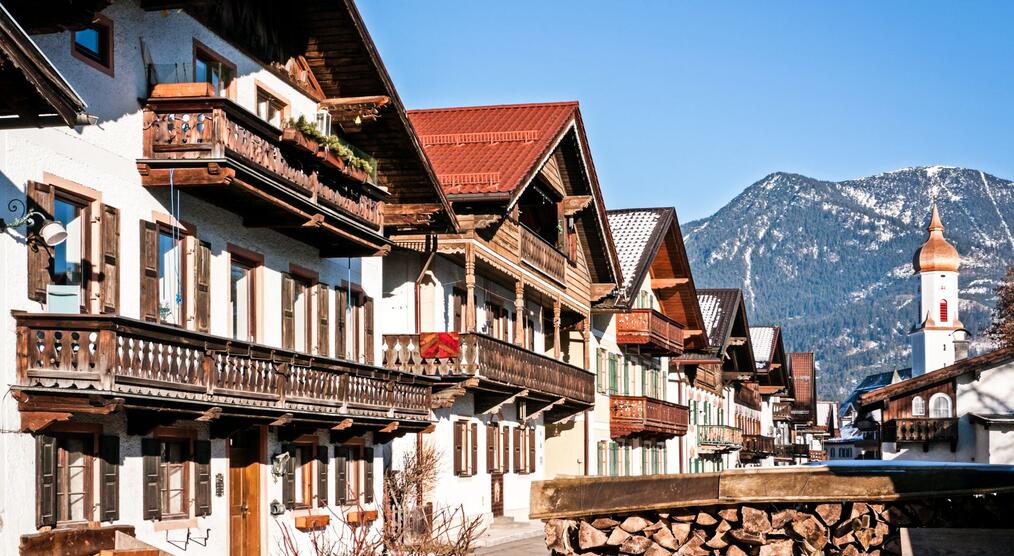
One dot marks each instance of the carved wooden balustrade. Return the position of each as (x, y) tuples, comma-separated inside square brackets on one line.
[(782, 411), (208, 140), (494, 360), (541, 255), (818, 455), (921, 429), (644, 416), (748, 395), (654, 332), (119, 355), (757, 445), (719, 438)]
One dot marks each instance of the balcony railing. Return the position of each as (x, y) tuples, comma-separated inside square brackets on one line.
[(818, 455), (542, 255), (123, 356), (791, 451), (921, 429), (748, 395), (651, 330), (494, 360), (782, 411), (758, 445), (211, 142), (640, 415), (719, 437)]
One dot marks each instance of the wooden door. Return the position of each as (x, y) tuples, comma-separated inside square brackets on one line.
[(244, 493), (496, 494)]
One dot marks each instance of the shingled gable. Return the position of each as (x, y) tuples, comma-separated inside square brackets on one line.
[(490, 155), (975, 364), (770, 357), (649, 240)]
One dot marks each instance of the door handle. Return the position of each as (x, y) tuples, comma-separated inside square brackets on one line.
[(244, 509)]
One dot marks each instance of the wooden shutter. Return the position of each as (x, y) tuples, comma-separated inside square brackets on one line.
[(149, 271), (151, 451), (505, 448), (517, 450), (288, 312), (459, 301), (368, 474), (322, 460), (368, 329), (202, 479), (340, 312), (109, 266), (459, 429), (531, 450), (202, 287), (473, 440), (323, 320), (109, 477), (40, 198), (341, 485), (289, 477), (45, 480), (490, 448)]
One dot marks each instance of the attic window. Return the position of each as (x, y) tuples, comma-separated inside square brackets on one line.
[(943, 310), (93, 45)]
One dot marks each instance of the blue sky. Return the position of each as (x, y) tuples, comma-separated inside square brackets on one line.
[(686, 104)]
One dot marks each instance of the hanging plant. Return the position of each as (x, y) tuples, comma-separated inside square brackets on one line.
[(330, 142)]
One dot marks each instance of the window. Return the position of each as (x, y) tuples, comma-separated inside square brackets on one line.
[(943, 310), (354, 474), (918, 406), (301, 314), (94, 45), (601, 376), (77, 476), (270, 108), (466, 448), (176, 476), (603, 454), (940, 406), (459, 305), (174, 482), (74, 478), (497, 321), (693, 412), (494, 449), (212, 68), (69, 257), (613, 379), (170, 281), (626, 459), (614, 459), (524, 449), (241, 300), (302, 464)]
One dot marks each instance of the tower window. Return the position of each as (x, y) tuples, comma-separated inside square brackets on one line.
[(943, 311)]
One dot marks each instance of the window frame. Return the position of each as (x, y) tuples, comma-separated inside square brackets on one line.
[(201, 50), (940, 396), (186, 467), (63, 478), (181, 234), (87, 265), (105, 65), (281, 104), (918, 410), (307, 448)]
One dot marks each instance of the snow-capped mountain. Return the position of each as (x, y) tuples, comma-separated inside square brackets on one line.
[(831, 262)]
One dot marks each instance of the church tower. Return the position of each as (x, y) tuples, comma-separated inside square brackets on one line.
[(938, 331)]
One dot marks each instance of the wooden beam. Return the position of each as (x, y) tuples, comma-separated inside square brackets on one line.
[(411, 214), (668, 283), (600, 290), (573, 204), (210, 415), (285, 419), (346, 423), (738, 340), (490, 404), (391, 427), (532, 415)]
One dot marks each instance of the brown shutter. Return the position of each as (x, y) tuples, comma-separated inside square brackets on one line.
[(517, 450), (340, 312), (368, 474), (531, 450), (289, 478), (459, 322), (323, 320), (149, 272), (288, 312), (109, 477), (341, 485), (490, 448), (473, 440), (109, 266), (202, 480), (505, 447), (151, 450), (202, 287), (40, 198), (459, 428), (368, 327), (45, 480), (322, 460)]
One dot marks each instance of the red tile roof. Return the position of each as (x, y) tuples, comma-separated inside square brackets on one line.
[(489, 149)]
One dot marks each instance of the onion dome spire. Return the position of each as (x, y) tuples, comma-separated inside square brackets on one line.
[(937, 254)]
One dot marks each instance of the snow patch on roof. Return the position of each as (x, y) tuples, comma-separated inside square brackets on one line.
[(631, 232), (762, 338)]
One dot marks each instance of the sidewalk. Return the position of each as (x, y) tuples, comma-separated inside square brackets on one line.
[(504, 533)]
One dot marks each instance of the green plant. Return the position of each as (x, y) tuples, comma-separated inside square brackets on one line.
[(330, 142)]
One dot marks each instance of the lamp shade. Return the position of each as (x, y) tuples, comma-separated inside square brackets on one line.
[(53, 233)]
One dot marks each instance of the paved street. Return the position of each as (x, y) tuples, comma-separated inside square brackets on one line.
[(533, 546)]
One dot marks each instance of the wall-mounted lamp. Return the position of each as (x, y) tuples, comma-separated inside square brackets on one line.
[(50, 232)]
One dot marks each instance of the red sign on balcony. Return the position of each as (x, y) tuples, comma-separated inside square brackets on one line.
[(439, 345)]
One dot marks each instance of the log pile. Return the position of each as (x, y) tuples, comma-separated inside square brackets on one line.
[(784, 529)]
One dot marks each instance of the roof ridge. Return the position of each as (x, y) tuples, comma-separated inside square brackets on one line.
[(641, 209), (494, 106)]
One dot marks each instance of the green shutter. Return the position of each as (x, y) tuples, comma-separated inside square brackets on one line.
[(626, 376), (613, 389)]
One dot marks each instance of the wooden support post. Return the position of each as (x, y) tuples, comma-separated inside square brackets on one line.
[(586, 336), (469, 289), (519, 313), (556, 328)]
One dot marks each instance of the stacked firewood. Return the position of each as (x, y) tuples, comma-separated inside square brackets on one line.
[(848, 529)]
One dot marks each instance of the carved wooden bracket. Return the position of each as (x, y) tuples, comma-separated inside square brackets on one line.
[(352, 112), (38, 411), (573, 204)]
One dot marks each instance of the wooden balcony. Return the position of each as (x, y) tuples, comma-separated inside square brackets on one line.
[(792, 451), (217, 150), (655, 333), (757, 446), (817, 455), (542, 255), (494, 362), (646, 417), (748, 395), (172, 369), (921, 429), (782, 411), (718, 438)]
